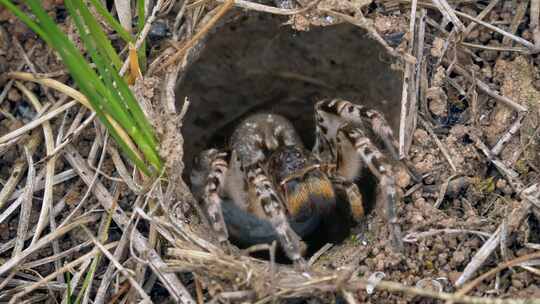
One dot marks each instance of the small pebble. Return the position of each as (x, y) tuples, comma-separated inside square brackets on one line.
[(490, 55), (421, 136), (454, 276), (6, 15), (485, 36), (527, 35), (517, 284), (437, 104), (487, 72), (31, 86), (402, 178), (458, 257), (501, 184), (14, 95), (48, 4)]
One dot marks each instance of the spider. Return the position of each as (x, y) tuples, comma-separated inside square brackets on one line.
[(268, 186)]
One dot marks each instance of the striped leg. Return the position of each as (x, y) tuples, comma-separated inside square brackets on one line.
[(252, 142), (359, 115), (215, 165), (371, 156), (267, 198)]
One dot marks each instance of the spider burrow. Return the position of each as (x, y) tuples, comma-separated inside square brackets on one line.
[(275, 184)]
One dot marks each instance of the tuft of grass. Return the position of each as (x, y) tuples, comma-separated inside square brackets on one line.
[(107, 92)]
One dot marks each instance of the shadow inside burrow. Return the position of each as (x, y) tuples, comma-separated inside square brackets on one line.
[(257, 64)]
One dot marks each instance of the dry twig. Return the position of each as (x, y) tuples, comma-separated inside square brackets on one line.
[(439, 144), (199, 35), (171, 282)]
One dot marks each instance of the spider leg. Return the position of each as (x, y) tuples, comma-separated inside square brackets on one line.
[(252, 142), (370, 155), (358, 115), (354, 197), (273, 210), (213, 163)]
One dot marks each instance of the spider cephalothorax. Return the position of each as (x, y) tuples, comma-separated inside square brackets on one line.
[(306, 190), (270, 187)]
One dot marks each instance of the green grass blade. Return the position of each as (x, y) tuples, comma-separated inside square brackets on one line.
[(140, 24), (115, 107), (102, 41), (112, 22), (84, 76), (69, 288), (92, 79), (123, 104), (112, 96), (147, 142), (135, 110)]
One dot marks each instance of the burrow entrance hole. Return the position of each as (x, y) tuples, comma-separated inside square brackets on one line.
[(257, 64)]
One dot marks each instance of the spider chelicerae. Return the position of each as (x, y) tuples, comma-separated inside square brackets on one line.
[(267, 186)]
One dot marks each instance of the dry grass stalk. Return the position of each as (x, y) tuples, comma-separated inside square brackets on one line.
[(72, 134), (40, 183), (507, 264), (416, 236), (439, 144), (24, 216), (514, 219), (54, 84), (534, 22), (480, 16), (49, 169), (144, 33), (249, 5), (68, 267), (518, 17), (19, 167), (530, 46), (225, 7), (487, 90), (119, 266), (367, 24), (44, 241), (496, 48), (171, 282), (505, 138), (448, 12), (410, 88), (36, 123), (252, 274), (11, 243), (107, 278), (9, 84), (245, 278)]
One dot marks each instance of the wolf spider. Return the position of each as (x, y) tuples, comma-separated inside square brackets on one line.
[(276, 182)]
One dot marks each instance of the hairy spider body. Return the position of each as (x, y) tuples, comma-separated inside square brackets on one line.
[(270, 187), (305, 187)]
